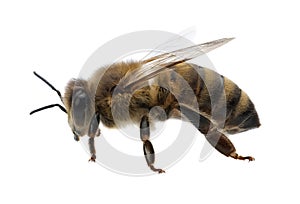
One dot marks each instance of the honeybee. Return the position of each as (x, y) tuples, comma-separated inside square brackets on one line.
[(126, 92)]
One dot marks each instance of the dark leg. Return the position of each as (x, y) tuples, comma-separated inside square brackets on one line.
[(218, 140), (221, 143), (92, 149), (94, 131), (148, 147)]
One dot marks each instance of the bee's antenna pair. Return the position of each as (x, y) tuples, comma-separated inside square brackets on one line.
[(52, 105)]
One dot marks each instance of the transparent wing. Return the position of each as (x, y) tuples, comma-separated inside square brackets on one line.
[(173, 42), (155, 65)]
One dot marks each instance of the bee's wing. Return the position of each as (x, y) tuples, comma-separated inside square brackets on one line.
[(173, 42), (155, 65)]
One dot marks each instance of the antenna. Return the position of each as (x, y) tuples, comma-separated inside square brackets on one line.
[(52, 105)]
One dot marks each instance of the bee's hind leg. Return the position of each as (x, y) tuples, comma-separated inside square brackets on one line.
[(236, 156), (222, 143), (218, 140), (148, 147)]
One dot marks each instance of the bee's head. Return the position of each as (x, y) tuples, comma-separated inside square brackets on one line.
[(78, 105)]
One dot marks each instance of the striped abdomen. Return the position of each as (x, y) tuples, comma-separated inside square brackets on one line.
[(218, 98)]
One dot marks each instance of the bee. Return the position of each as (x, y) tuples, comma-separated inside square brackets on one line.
[(126, 92)]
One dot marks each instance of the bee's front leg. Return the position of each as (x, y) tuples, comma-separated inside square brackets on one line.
[(148, 147), (92, 149), (94, 131)]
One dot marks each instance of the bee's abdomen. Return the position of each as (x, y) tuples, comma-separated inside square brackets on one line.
[(220, 99), (242, 117)]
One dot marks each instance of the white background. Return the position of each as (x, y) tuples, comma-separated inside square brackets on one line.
[(40, 162)]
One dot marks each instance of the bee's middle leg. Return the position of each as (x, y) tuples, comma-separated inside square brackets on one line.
[(147, 146)]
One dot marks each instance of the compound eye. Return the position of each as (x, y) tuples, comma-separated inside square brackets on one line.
[(79, 106)]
